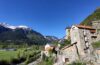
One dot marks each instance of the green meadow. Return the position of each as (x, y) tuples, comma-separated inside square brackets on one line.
[(19, 55), (8, 55)]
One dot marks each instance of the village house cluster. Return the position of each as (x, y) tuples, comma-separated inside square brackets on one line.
[(82, 37)]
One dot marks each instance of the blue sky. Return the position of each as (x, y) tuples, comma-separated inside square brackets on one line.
[(49, 17)]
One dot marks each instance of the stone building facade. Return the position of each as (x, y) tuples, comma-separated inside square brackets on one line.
[(80, 48), (82, 36), (67, 55), (96, 25)]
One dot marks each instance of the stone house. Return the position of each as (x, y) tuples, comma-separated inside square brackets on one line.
[(48, 48), (67, 55), (70, 52), (80, 47), (95, 25), (83, 36)]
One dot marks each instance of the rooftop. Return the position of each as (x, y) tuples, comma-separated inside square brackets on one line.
[(84, 27)]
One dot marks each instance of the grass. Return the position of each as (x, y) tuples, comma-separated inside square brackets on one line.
[(96, 44), (8, 55)]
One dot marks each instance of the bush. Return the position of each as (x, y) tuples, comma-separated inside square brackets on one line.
[(27, 60), (47, 61), (66, 42), (30, 58)]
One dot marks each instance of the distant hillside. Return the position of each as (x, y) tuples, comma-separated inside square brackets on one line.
[(51, 38), (94, 16), (19, 35)]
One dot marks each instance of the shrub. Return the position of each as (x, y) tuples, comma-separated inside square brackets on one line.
[(30, 58), (47, 61), (27, 60), (66, 42)]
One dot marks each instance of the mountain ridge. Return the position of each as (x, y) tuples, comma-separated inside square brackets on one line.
[(51, 38), (20, 34), (23, 34)]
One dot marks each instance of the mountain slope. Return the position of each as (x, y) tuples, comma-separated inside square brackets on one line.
[(20, 35), (94, 16), (51, 38)]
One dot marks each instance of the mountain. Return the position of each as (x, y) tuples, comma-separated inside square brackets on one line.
[(94, 16), (61, 41), (19, 35), (51, 38)]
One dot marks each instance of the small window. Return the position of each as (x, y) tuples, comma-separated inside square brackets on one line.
[(66, 59)]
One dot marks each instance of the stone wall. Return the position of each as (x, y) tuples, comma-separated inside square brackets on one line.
[(70, 53), (96, 24), (97, 54), (83, 39), (67, 55), (81, 47)]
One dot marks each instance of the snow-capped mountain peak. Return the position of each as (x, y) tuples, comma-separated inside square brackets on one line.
[(14, 27), (23, 26)]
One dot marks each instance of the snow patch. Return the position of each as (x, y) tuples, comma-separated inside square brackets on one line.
[(23, 26), (14, 27)]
